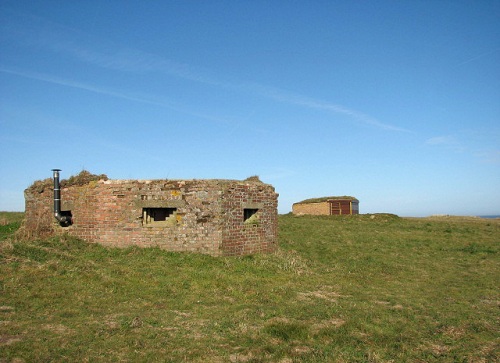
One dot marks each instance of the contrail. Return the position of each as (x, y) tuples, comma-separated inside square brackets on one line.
[(73, 84), (112, 93), (479, 56), (285, 97), (129, 60)]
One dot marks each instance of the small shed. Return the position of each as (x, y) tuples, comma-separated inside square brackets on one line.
[(327, 206)]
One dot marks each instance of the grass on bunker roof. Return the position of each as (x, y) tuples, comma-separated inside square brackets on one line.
[(340, 289)]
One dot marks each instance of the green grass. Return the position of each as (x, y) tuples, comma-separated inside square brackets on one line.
[(340, 289), (9, 223)]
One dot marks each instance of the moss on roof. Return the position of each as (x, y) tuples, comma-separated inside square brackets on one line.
[(83, 178), (324, 199)]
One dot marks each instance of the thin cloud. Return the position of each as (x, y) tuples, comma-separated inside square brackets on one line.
[(112, 93), (136, 61), (489, 157), (448, 142), (451, 143), (70, 83), (40, 33), (325, 106), (130, 60), (442, 140), (478, 56)]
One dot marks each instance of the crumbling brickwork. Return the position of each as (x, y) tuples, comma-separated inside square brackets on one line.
[(216, 217)]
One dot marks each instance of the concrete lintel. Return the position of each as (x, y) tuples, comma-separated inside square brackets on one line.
[(174, 203), (252, 205)]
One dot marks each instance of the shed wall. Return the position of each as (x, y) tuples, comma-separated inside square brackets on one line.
[(329, 207), (340, 207), (322, 208)]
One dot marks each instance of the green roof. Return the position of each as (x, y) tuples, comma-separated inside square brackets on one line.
[(325, 199)]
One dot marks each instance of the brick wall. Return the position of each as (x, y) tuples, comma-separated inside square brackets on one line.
[(322, 208), (257, 234), (328, 207), (208, 216)]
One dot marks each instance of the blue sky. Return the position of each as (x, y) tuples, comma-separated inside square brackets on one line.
[(394, 102)]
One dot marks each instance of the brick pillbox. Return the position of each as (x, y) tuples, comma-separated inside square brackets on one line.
[(215, 217)]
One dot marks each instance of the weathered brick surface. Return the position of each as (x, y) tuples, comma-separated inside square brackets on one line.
[(246, 238), (322, 208), (209, 215), (327, 207)]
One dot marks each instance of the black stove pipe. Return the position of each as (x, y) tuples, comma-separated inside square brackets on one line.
[(63, 220)]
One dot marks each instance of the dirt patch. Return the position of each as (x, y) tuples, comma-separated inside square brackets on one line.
[(240, 358), (438, 349), (9, 339), (330, 296), (57, 329), (332, 323), (453, 332)]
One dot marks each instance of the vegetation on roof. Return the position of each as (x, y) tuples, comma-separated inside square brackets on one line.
[(253, 178), (84, 177), (324, 199)]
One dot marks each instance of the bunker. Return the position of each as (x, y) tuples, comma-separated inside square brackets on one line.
[(215, 217), (327, 206)]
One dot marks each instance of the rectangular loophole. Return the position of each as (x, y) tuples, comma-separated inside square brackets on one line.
[(153, 215), (248, 213)]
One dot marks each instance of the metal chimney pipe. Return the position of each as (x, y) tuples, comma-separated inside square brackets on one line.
[(63, 220)]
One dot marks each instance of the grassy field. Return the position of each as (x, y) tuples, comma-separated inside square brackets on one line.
[(340, 289), (9, 223)]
